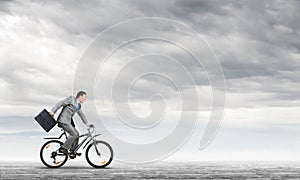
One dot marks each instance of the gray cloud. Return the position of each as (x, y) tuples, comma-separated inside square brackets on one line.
[(256, 42), (4, 6)]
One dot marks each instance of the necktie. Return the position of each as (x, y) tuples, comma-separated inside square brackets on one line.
[(78, 107)]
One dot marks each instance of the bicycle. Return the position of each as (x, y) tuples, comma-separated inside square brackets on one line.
[(98, 157)]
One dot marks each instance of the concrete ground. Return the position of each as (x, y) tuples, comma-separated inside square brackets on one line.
[(162, 170)]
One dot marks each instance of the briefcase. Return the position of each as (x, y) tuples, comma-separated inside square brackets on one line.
[(45, 120)]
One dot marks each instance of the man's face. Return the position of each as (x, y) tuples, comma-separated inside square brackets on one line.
[(82, 98)]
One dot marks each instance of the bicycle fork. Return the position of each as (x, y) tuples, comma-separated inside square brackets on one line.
[(95, 145)]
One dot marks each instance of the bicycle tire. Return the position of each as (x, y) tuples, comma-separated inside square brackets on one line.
[(42, 158), (95, 165)]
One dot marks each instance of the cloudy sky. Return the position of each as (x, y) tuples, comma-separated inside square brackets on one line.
[(256, 43)]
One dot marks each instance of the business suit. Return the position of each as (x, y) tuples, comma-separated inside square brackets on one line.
[(70, 107)]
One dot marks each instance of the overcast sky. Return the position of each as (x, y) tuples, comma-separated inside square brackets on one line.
[(256, 42)]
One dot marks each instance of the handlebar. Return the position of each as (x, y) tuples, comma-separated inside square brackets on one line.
[(91, 127)]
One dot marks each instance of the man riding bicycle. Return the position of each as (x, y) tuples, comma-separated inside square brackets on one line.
[(71, 105)]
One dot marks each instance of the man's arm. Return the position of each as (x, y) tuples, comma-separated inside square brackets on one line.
[(82, 116), (61, 103)]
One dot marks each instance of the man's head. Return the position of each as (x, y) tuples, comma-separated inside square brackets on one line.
[(81, 96)]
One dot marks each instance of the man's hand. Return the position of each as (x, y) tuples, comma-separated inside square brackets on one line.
[(51, 113), (90, 125)]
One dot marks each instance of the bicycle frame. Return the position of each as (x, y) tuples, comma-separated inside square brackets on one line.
[(88, 135)]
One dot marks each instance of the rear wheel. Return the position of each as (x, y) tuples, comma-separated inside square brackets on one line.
[(49, 155), (101, 160)]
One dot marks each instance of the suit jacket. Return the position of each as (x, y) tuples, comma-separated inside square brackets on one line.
[(69, 106)]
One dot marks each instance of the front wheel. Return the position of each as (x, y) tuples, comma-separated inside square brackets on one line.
[(99, 154), (50, 156)]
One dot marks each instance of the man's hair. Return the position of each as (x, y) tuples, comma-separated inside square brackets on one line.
[(80, 93)]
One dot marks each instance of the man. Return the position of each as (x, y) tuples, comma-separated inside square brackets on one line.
[(70, 105)]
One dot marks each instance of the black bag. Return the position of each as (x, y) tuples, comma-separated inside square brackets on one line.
[(45, 120)]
